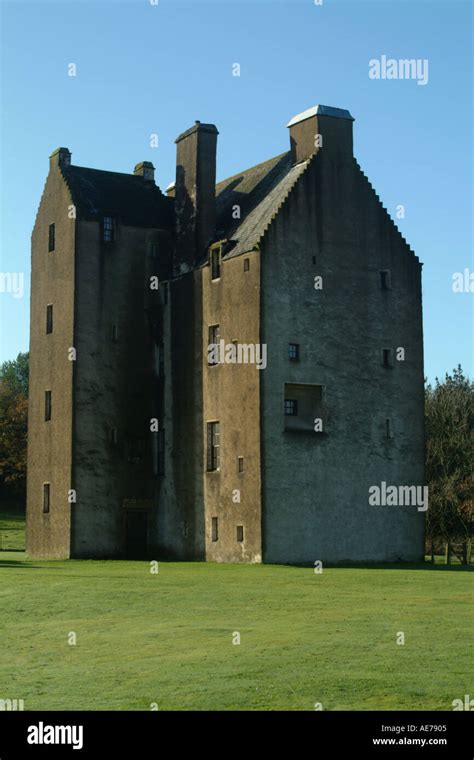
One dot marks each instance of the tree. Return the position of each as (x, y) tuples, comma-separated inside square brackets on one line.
[(14, 422), (449, 421)]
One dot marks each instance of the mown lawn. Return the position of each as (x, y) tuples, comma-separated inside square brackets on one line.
[(12, 530), (167, 638)]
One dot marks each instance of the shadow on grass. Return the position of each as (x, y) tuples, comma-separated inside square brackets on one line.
[(393, 566), (50, 564)]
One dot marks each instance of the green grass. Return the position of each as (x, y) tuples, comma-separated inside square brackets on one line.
[(12, 530), (167, 638)]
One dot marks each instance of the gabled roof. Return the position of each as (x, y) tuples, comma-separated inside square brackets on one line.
[(259, 192), (134, 201)]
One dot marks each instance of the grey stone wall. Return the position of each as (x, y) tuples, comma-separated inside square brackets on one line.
[(315, 485)]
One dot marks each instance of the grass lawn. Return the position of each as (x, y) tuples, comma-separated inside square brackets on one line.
[(167, 638), (12, 530)]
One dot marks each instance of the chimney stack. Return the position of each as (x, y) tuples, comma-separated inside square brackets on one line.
[(195, 193), (321, 128), (146, 170), (60, 157)]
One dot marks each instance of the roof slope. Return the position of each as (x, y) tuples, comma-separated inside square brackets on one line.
[(134, 201), (259, 192)]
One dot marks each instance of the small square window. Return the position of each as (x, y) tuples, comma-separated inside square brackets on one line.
[(154, 251), (291, 407), (51, 237), (49, 318), (293, 351), (314, 259), (216, 263), (387, 360), (47, 405), (215, 529), (114, 333), (388, 428), (240, 464), (240, 533), (385, 279), (46, 497), (108, 229), (246, 265), (113, 436)]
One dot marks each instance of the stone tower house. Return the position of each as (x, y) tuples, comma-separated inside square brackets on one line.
[(225, 372)]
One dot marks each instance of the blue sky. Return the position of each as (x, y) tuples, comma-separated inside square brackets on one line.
[(144, 69)]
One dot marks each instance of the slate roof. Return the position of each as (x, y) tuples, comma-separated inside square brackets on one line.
[(134, 201), (259, 191)]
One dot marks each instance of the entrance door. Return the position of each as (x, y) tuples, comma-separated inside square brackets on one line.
[(136, 532)]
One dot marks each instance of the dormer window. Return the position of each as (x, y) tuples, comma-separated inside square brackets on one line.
[(108, 229)]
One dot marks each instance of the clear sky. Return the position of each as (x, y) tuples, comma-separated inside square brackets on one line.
[(144, 69)]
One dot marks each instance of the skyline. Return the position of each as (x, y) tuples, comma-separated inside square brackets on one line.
[(412, 138)]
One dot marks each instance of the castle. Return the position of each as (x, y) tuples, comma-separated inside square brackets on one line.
[(222, 372)]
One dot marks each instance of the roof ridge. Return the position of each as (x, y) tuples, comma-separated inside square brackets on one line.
[(103, 171)]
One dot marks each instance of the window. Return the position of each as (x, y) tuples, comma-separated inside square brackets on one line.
[(385, 279), (213, 446), (215, 529), (240, 533), (46, 497), (304, 409), (240, 464), (51, 237), (293, 352), (216, 262), (47, 405), (108, 229), (388, 428), (164, 292), (213, 341), (246, 265), (154, 251), (291, 407), (114, 333), (49, 318), (113, 436), (387, 357), (314, 259)]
